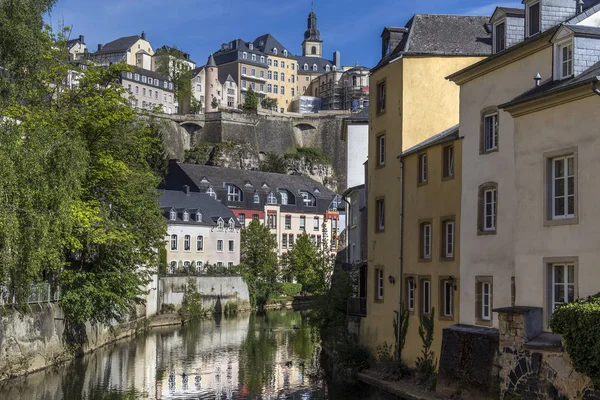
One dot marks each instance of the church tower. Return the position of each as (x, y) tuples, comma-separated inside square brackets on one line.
[(312, 45), (211, 85)]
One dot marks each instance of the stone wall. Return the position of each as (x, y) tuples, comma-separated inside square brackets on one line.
[(216, 291)]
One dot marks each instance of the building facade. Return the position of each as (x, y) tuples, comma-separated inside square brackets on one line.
[(148, 90), (430, 250), (133, 50), (77, 48), (343, 89), (289, 205), (200, 232), (408, 86)]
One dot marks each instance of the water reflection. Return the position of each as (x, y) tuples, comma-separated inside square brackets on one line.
[(265, 356)]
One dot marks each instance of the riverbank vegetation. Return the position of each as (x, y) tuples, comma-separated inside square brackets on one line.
[(79, 209)]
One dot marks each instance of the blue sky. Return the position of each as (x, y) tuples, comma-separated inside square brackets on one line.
[(200, 26)]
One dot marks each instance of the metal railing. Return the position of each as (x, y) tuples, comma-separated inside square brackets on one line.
[(357, 306), (40, 293)]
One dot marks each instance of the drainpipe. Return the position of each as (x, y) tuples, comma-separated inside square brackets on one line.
[(400, 278), (595, 88)]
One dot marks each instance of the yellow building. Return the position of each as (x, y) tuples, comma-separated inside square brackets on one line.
[(430, 248), (410, 100), (133, 50), (282, 74)]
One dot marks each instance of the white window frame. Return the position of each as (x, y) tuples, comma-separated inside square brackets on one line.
[(527, 13), (410, 298), (220, 245), (253, 57), (495, 30), (284, 241), (380, 283), (494, 211), (566, 284), (567, 175), (173, 215), (449, 242), (303, 223), (211, 192), (245, 55), (562, 60), (426, 296), (423, 169), (187, 243), (231, 246), (427, 241), (490, 139), (186, 216), (256, 198), (288, 222), (198, 217), (448, 299), (174, 242), (380, 214), (271, 199), (486, 312), (234, 193), (200, 243), (381, 146), (316, 223)]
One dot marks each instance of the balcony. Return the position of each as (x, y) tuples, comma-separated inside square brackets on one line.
[(357, 306)]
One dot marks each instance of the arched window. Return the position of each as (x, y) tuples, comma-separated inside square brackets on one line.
[(221, 224), (327, 68), (174, 242), (173, 215), (186, 243), (283, 77), (314, 67), (313, 50), (211, 193), (271, 199), (200, 243), (199, 266), (186, 216), (354, 80), (306, 67), (284, 197), (244, 55), (275, 50), (231, 223), (198, 217), (234, 193), (256, 198), (173, 266), (285, 53), (334, 67), (262, 59)]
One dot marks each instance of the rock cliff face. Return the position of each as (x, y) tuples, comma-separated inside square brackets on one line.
[(238, 140)]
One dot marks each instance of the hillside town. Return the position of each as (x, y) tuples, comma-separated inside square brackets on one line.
[(264, 225)]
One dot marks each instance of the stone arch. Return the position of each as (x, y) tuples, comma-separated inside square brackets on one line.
[(306, 135), (194, 129)]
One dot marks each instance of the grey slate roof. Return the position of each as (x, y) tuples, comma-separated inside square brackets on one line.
[(445, 35), (201, 177), (73, 42), (148, 73), (589, 7), (552, 87), (267, 42), (442, 137), (118, 46), (180, 201), (224, 56), (362, 115), (580, 30), (321, 64), (511, 11)]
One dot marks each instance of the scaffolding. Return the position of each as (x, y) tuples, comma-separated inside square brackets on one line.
[(342, 96)]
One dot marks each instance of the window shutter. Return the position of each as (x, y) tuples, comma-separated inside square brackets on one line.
[(478, 299), (480, 207)]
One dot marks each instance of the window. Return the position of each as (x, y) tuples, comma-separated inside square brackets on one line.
[(269, 88), (187, 243), (284, 238), (314, 67), (282, 75), (285, 53), (425, 235), (426, 299), (288, 222), (253, 85), (291, 245), (150, 93), (533, 19), (144, 79), (173, 215), (327, 68), (200, 243), (269, 74), (282, 64), (255, 217), (499, 37), (313, 50), (293, 92), (211, 193), (137, 77), (229, 264), (293, 79), (448, 168), (221, 224), (253, 72), (231, 223), (219, 245), (275, 89), (256, 198), (271, 199), (242, 219), (303, 223), (448, 239), (566, 60), (378, 284), (319, 241), (284, 197), (410, 294), (483, 299), (282, 89), (234, 193), (422, 168), (380, 150), (276, 75), (231, 246), (380, 207), (143, 91), (308, 199), (253, 57), (244, 71), (381, 92), (199, 265), (269, 62), (490, 132), (137, 90), (275, 53), (313, 240), (563, 187), (488, 199), (245, 55), (305, 67), (173, 242), (262, 60), (316, 223), (272, 221), (447, 298)]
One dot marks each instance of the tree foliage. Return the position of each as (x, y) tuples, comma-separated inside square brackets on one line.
[(427, 363), (579, 324), (269, 103), (303, 264), (259, 261), (275, 163), (79, 204), (170, 63), (251, 101)]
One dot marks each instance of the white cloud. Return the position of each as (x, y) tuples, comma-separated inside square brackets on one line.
[(488, 9)]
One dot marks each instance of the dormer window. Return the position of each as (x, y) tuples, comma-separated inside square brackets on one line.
[(334, 68), (231, 223), (314, 67), (234, 193), (565, 61), (250, 46), (221, 224), (327, 68), (499, 37), (198, 217), (186, 216), (245, 55), (211, 193), (306, 67), (275, 50), (256, 198), (262, 59), (271, 199), (308, 199), (173, 215), (532, 15)]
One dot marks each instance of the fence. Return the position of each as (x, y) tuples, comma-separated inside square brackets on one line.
[(40, 293)]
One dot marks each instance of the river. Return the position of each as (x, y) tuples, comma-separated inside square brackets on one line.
[(272, 355)]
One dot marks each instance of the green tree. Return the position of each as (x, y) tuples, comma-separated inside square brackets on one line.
[(303, 264), (251, 101), (273, 162), (214, 102), (269, 103), (195, 106), (259, 261), (170, 63)]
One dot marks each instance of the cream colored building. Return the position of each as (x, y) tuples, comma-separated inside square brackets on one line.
[(490, 224), (133, 50), (410, 101), (77, 48), (227, 92), (148, 89)]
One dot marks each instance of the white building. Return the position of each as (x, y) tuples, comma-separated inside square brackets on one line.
[(149, 89)]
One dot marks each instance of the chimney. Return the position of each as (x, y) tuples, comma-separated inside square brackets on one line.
[(143, 35), (224, 46), (337, 60), (81, 39), (99, 47), (186, 189)]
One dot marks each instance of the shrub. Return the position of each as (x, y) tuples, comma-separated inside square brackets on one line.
[(353, 356), (579, 325), (289, 289), (389, 364), (426, 363), (230, 309), (191, 306), (310, 154)]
